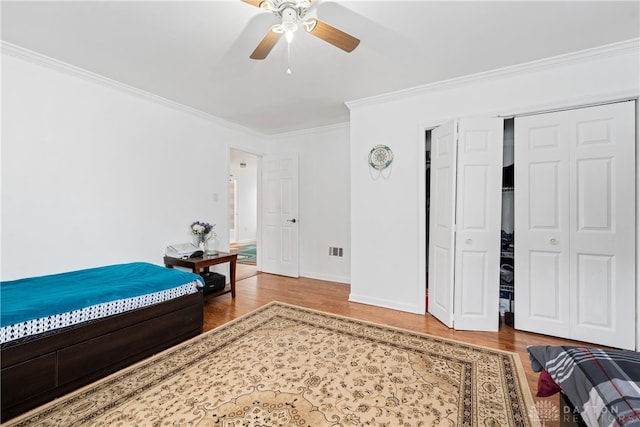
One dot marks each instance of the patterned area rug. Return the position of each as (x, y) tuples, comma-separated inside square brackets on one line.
[(247, 254), (283, 365)]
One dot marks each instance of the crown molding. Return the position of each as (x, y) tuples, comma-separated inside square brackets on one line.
[(625, 47), (40, 59)]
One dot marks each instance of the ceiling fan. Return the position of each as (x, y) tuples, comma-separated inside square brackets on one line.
[(293, 14)]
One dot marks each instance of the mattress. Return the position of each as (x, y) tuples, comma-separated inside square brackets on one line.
[(36, 305)]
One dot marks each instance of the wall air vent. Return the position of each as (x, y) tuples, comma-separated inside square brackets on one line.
[(339, 252)]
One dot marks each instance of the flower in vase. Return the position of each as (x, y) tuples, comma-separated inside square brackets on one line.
[(202, 230)]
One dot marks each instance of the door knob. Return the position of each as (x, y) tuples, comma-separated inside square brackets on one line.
[(553, 241), (293, 220), (468, 241)]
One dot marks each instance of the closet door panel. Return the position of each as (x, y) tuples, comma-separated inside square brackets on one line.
[(545, 273), (475, 182), (544, 196), (602, 205), (575, 196), (541, 232), (473, 284), (595, 195), (595, 290), (442, 223), (478, 215), (472, 261)]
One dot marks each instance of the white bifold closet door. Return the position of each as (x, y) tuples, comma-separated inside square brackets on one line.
[(575, 224), (464, 228)]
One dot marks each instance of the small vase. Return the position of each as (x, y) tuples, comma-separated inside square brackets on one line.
[(199, 241), (211, 246)]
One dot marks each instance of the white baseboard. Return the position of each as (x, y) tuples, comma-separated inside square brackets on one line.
[(394, 305), (327, 277)]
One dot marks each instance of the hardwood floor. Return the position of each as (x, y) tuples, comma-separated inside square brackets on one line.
[(255, 291), (244, 271)]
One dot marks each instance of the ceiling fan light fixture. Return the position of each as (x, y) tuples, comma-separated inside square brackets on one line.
[(289, 27), (289, 36), (285, 28), (293, 13), (289, 24)]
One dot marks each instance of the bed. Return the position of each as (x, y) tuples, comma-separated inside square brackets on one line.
[(63, 331), (599, 387)]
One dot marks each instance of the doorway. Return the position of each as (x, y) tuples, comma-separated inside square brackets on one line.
[(243, 211)]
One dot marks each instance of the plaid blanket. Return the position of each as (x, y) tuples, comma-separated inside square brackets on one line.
[(604, 385)]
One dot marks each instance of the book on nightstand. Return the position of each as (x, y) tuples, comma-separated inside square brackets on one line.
[(182, 250)]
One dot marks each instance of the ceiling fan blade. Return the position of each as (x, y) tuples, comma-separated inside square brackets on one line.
[(334, 36), (265, 46)]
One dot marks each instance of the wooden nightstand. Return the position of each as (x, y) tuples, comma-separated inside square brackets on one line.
[(202, 264)]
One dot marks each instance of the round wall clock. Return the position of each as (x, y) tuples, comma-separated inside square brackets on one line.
[(380, 157)]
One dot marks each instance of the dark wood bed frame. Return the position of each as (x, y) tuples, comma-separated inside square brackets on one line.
[(39, 370)]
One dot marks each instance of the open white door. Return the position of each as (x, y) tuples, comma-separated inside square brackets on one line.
[(442, 222), (280, 214), (478, 224), (465, 223)]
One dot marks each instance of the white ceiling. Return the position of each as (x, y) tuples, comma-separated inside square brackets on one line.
[(197, 52)]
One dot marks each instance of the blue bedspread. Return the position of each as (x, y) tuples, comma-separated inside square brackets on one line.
[(38, 297)]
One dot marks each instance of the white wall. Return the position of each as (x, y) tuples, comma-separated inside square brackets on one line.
[(95, 174), (89, 170), (387, 214), (324, 217)]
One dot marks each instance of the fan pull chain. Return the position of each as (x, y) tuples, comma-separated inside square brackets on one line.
[(289, 37)]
